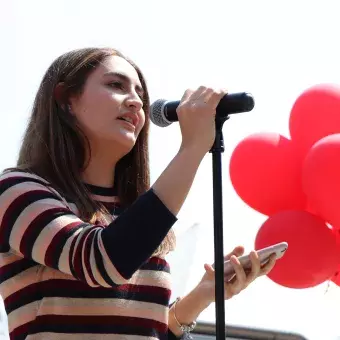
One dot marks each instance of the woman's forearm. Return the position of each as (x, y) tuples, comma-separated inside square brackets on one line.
[(187, 310), (173, 185)]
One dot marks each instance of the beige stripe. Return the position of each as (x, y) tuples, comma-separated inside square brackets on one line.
[(64, 263), (94, 269), (63, 336), (54, 274), (86, 271), (27, 216), (73, 208), (95, 272), (20, 281), (152, 278), (7, 197), (46, 236), (11, 174), (8, 258), (108, 199), (22, 315), (78, 240), (30, 276), (109, 307)]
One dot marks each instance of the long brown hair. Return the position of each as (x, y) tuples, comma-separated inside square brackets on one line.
[(55, 148)]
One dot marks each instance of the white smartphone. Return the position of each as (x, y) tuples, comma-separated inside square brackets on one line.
[(264, 254)]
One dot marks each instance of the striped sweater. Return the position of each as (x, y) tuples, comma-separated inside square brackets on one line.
[(62, 278)]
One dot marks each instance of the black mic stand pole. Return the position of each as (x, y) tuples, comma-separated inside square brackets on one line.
[(216, 151)]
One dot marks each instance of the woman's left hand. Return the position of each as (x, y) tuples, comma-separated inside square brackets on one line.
[(241, 279)]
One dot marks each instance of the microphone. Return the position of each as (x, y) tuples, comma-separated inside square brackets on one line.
[(163, 112)]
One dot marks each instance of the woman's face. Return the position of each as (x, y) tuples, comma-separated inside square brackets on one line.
[(110, 109)]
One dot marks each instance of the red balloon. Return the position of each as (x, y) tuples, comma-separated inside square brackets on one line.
[(336, 278), (266, 173), (312, 254), (314, 115), (321, 179)]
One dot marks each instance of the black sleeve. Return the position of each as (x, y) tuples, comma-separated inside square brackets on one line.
[(172, 336), (134, 235)]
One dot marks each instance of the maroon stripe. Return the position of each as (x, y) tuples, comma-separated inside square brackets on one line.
[(159, 261), (80, 289), (21, 179), (14, 179), (18, 296), (11, 267), (101, 320), (87, 256), (22, 331), (78, 258), (73, 244), (86, 324), (57, 244), (36, 226), (11, 214)]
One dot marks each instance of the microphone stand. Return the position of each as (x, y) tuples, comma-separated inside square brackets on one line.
[(216, 151), (233, 103)]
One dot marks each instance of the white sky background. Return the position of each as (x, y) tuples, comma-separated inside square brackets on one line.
[(273, 49)]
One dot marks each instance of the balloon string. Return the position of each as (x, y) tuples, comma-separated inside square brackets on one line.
[(328, 286), (329, 281)]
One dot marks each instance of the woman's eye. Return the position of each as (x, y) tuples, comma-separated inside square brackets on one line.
[(117, 85)]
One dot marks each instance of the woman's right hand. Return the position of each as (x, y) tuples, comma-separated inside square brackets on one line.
[(196, 114)]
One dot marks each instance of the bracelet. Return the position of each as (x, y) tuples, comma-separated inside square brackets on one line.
[(186, 329)]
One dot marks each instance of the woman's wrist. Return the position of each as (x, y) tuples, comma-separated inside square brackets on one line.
[(193, 152), (186, 310)]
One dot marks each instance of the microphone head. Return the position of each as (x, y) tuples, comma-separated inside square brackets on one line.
[(249, 102), (157, 113)]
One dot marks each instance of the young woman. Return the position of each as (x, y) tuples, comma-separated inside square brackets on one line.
[(83, 236)]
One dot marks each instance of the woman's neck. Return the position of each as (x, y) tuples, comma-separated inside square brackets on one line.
[(100, 170)]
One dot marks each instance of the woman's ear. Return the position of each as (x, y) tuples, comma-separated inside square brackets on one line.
[(60, 97), (69, 107), (59, 94)]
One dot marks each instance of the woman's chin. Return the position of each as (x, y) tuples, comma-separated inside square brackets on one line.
[(126, 141), (121, 142)]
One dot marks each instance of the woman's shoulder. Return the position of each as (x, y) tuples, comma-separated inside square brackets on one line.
[(15, 183), (16, 176), (14, 179)]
